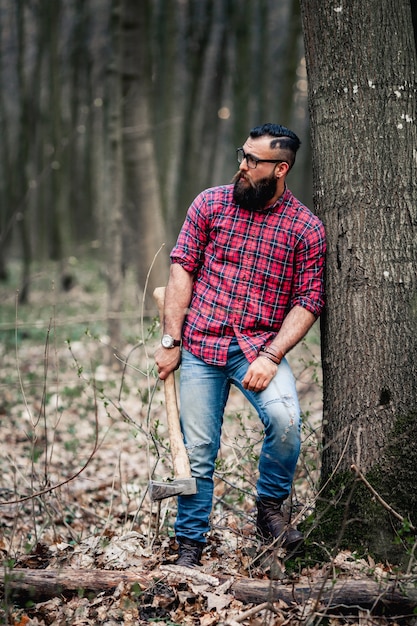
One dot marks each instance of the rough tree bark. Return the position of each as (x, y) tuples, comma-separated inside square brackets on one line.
[(362, 97)]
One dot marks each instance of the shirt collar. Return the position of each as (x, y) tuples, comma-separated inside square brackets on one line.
[(277, 202)]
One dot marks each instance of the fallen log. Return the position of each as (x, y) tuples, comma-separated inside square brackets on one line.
[(50, 583), (345, 593), (349, 593)]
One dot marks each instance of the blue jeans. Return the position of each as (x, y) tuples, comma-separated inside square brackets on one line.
[(204, 390)]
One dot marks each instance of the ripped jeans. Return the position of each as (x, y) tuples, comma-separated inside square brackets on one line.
[(204, 390)]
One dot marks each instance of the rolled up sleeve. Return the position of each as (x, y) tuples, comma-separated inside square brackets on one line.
[(308, 286), (189, 249)]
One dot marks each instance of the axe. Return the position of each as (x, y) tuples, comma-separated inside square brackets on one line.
[(183, 483)]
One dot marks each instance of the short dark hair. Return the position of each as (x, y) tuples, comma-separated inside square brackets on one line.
[(284, 139)]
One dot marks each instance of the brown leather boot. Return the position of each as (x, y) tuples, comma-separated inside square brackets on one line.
[(270, 524), (189, 552)]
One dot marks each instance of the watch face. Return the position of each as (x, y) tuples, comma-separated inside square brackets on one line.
[(167, 341)]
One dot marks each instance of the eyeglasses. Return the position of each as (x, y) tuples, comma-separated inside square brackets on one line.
[(252, 161)]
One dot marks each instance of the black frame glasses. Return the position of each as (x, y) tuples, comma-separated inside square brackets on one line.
[(252, 161)]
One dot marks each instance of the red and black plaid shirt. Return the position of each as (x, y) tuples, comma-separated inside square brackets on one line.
[(250, 269)]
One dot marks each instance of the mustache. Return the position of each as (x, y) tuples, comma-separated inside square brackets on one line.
[(239, 175)]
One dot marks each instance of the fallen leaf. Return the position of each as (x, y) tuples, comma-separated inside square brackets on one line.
[(218, 602)]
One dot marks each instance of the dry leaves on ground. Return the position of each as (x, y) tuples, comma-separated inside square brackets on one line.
[(99, 432)]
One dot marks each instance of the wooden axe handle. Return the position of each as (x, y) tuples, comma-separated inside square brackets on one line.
[(180, 461)]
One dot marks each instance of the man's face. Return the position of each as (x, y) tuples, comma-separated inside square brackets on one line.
[(251, 194), (254, 188)]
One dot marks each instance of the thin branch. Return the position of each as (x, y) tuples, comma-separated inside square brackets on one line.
[(67, 480), (386, 506), (249, 613)]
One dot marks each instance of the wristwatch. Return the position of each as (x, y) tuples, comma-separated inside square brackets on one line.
[(169, 342)]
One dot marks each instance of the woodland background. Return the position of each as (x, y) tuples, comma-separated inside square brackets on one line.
[(110, 117)]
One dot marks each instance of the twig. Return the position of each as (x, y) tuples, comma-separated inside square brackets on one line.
[(337, 464), (145, 289), (19, 371), (67, 480), (249, 613), (386, 506)]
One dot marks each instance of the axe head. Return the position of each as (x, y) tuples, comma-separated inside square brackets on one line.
[(159, 490)]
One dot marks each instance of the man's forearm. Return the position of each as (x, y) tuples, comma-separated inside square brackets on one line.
[(294, 327), (177, 299)]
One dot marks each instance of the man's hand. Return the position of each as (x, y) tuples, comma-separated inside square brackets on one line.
[(259, 374), (167, 360)]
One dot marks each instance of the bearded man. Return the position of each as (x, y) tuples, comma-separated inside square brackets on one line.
[(245, 286)]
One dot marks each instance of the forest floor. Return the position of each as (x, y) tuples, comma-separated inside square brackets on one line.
[(82, 432)]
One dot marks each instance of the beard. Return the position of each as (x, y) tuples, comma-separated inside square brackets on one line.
[(253, 196)]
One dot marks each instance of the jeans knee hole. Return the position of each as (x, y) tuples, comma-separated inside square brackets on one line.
[(197, 444)]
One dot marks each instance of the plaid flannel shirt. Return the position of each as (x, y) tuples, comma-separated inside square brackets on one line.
[(250, 268)]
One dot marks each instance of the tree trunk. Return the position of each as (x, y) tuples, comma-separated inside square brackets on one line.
[(19, 197), (80, 148), (114, 187), (143, 198), (58, 209), (363, 593), (362, 96), (6, 186)]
